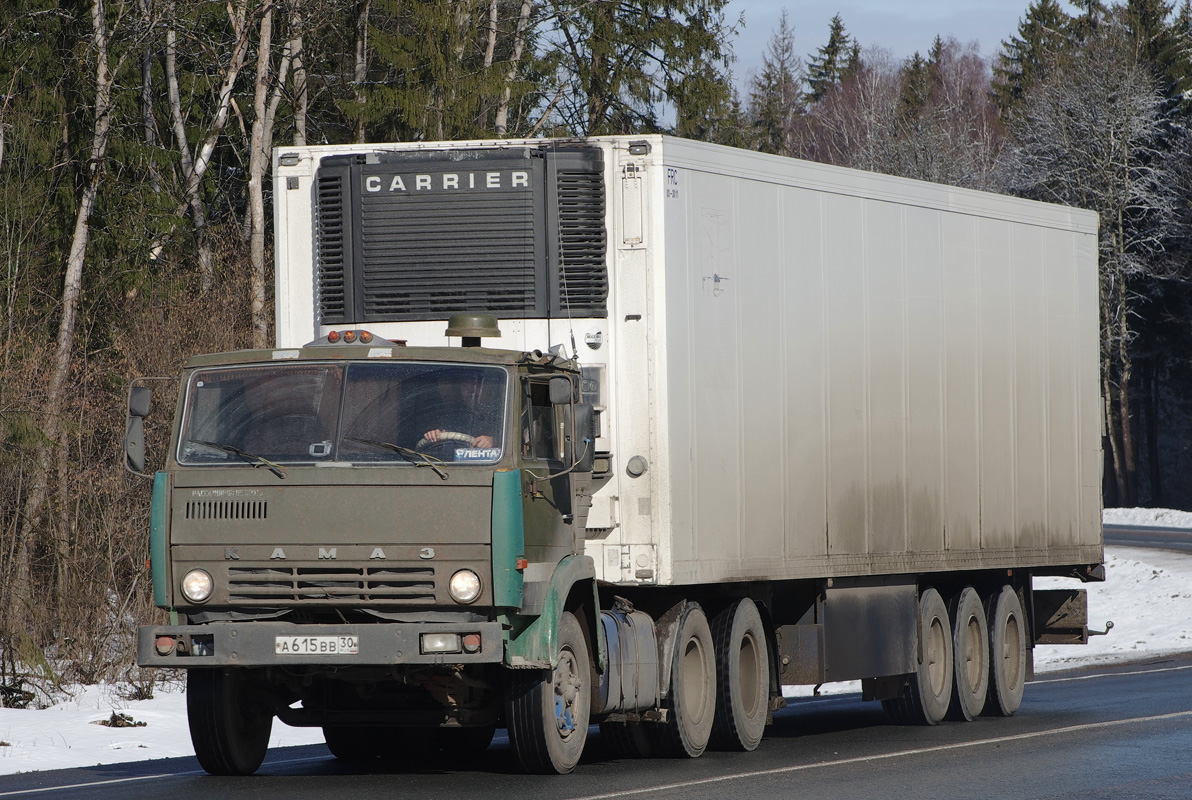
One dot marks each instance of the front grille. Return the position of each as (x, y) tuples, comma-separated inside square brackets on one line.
[(248, 510), (331, 585)]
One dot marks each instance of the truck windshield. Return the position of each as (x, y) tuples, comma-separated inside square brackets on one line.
[(408, 413)]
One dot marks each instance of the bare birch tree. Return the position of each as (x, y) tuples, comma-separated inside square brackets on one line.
[(501, 122), (1087, 136), (194, 165), (107, 67)]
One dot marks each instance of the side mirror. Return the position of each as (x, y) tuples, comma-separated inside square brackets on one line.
[(560, 391), (134, 430), (134, 445), (139, 398)]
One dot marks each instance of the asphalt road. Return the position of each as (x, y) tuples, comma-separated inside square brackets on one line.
[(1116, 733), (1160, 538)]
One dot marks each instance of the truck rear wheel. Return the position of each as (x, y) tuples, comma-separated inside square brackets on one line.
[(1007, 648), (691, 707), (229, 726), (928, 691), (547, 711), (742, 677), (970, 652)]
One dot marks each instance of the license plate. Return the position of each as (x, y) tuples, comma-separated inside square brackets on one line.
[(316, 645)]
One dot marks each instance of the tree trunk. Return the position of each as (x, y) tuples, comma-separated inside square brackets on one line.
[(266, 98), (72, 285), (297, 60), (194, 168), (360, 75), (1156, 389), (501, 123), (489, 50)]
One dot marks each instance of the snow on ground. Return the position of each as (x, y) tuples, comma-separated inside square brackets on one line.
[(1156, 517), (1148, 595)]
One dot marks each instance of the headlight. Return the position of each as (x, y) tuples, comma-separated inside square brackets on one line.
[(197, 585), (464, 586)]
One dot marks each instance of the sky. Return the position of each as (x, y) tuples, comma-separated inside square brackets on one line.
[(900, 26), (1148, 594)]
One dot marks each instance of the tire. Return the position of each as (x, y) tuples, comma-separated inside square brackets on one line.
[(742, 677), (547, 711), (970, 653), (1007, 648), (928, 692), (691, 707), (229, 726)]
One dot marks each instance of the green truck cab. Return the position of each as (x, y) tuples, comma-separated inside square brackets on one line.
[(373, 539)]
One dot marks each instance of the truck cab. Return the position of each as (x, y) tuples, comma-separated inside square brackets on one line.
[(333, 515)]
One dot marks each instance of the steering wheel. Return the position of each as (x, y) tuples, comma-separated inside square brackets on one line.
[(445, 437)]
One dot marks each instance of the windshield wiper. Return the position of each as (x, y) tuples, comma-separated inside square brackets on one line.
[(256, 461), (413, 456)]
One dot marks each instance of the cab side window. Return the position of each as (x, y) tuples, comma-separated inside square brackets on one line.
[(540, 429)]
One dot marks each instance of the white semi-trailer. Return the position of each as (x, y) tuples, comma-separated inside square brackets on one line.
[(751, 421)]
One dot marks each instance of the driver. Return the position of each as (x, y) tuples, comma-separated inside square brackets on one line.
[(463, 411)]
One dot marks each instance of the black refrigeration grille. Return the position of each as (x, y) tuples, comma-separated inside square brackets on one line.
[(582, 243), (429, 257), (332, 229), (392, 248)]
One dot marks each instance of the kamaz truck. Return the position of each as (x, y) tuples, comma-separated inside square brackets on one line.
[(628, 432)]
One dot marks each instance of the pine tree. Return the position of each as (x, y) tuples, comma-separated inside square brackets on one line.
[(776, 95), (838, 58), (1026, 59), (917, 83), (1158, 44), (620, 64)]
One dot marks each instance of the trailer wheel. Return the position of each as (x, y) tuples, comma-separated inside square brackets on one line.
[(970, 652), (547, 711), (742, 677), (229, 726), (926, 695), (691, 707), (1007, 648)]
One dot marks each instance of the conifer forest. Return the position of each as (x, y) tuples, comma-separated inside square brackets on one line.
[(135, 209)]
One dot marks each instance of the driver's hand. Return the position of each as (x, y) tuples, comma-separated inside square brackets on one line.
[(483, 442), (433, 436)]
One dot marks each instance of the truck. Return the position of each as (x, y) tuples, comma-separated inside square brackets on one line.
[(627, 432)]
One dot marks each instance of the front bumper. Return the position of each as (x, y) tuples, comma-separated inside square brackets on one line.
[(252, 644)]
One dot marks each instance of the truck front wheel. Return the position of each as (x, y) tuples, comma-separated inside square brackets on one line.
[(547, 711), (229, 726)]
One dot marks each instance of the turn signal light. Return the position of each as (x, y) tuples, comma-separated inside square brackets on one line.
[(164, 645), (472, 643)]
